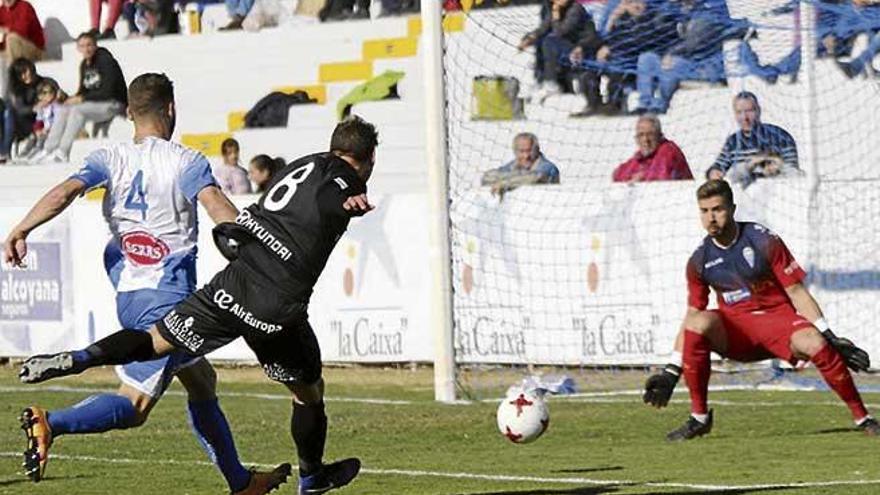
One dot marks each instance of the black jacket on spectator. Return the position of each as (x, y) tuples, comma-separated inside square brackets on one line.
[(590, 40), (102, 79), (21, 101), (569, 26)]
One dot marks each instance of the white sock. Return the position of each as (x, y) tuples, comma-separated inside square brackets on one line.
[(866, 418), (702, 418)]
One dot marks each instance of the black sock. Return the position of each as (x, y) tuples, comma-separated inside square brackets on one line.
[(122, 347), (308, 425)]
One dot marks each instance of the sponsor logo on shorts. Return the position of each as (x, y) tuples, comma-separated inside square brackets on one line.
[(144, 249), (182, 329), (715, 262), (791, 268), (225, 300), (735, 296)]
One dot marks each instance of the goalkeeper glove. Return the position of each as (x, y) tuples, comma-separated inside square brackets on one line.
[(855, 358), (659, 387)]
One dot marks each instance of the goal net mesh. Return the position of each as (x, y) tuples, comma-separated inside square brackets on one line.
[(586, 278)]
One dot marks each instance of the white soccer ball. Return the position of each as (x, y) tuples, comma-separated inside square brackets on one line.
[(523, 416)]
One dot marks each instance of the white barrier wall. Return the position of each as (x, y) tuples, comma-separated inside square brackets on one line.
[(593, 276), (369, 305)]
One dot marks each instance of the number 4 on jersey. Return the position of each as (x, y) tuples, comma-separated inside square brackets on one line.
[(136, 196)]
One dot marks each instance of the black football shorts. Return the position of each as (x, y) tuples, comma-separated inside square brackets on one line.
[(231, 305)]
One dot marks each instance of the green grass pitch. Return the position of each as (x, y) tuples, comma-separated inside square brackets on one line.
[(763, 442)]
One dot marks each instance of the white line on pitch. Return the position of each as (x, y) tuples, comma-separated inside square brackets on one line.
[(489, 477), (593, 397), (86, 390)]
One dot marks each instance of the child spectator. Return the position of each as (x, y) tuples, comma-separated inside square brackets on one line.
[(49, 102), (233, 179), (261, 170)]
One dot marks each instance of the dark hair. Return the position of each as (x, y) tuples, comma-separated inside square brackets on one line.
[(229, 143), (88, 34), (18, 68), (748, 95), (355, 137), (150, 94), (266, 162), (715, 187), (48, 83)]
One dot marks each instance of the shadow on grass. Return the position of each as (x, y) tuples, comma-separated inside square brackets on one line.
[(588, 470), (22, 480), (732, 491), (586, 490), (836, 430), (602, 489)]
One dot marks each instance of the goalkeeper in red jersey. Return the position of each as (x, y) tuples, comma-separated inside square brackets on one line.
[(764, 311)]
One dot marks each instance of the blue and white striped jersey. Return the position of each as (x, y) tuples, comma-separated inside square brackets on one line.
[(150, 207)]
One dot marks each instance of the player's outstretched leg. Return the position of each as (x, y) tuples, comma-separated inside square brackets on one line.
[(124, 346), (696, 371), (39, 439), (831, 365)]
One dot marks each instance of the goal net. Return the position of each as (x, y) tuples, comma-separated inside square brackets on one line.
[(586, 277)]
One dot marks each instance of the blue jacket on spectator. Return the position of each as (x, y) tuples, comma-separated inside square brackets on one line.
[(654, 31)]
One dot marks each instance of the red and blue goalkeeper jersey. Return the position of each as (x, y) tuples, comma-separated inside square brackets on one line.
[(749, 275)]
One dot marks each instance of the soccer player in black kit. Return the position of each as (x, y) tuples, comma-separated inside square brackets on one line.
[(277, 248)]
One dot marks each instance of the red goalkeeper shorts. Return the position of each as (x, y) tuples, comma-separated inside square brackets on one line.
[(760, 335)]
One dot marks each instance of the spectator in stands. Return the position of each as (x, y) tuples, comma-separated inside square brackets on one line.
[(21, 36), (50, 101), (238, 10), (233, 179), (102, 95), (341, 10), (115, 10), (529, 166), (262, 169), (861, 17), (555, 38), (633, 27), (657, 157), (581, 56), (696, 55), (757, 149), (399, 7), (18, 116), (156, 17)]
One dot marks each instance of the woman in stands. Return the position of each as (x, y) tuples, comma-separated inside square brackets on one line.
[(261, 170), (19, 116)]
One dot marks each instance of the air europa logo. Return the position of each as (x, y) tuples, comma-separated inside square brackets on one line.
[(144, 249)]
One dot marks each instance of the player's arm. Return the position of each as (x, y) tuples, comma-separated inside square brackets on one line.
[(217, 205), (856, 358), (790, 275), (198, 184), (337, 198), (48, 207), (803, 302)]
